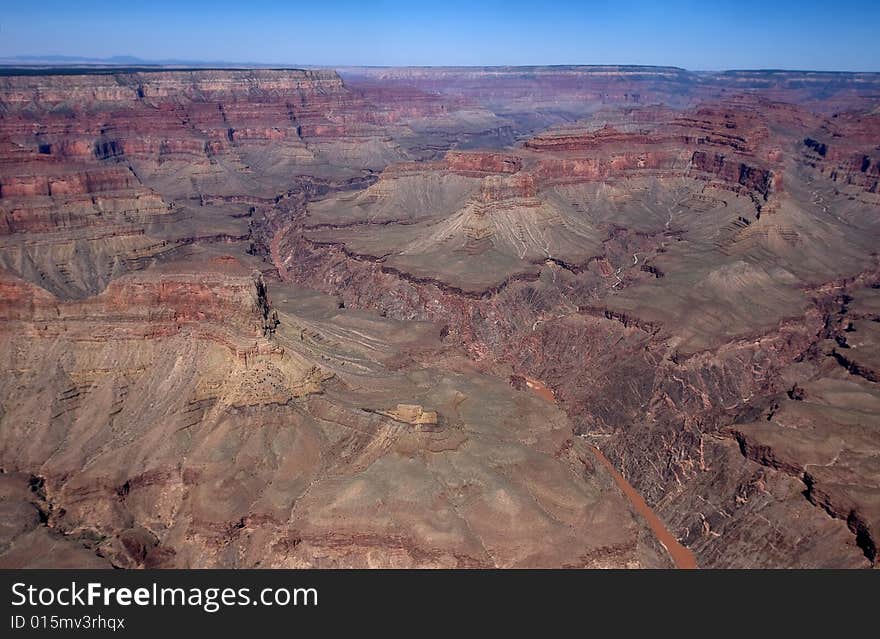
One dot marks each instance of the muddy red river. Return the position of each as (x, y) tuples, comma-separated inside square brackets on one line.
[(681, 556)]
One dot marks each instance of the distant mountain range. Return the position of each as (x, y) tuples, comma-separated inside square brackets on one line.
[(122, 60)]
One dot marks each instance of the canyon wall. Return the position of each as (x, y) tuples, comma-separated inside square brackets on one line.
[(283, 317)]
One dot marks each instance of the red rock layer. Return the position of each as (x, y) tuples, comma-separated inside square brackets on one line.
[(727, 143), (218, 301), (847, 150), (479, 163)]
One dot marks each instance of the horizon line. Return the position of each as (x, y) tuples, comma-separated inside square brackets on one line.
[(26, 62)]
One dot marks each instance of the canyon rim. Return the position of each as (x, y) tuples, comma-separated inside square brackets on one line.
[(453, 317)]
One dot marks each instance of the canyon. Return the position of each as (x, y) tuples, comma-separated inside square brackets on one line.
[(313, 317)]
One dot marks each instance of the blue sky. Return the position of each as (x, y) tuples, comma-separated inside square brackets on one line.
[(708, 35)]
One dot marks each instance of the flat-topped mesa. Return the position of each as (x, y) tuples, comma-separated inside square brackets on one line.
[(726, 142), (733, 127), (90, 89), (478, 163), (191, 298), (226, 305)]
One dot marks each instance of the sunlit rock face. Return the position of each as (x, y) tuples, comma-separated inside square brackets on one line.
[(381, 318)]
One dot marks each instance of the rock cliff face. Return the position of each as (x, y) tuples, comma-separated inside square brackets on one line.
[(173, 429), (558, 248), (846, 150), (300, 318), (122, 158), (206, 123)]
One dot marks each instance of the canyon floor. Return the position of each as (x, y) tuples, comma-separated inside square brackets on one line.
[(581, 317)]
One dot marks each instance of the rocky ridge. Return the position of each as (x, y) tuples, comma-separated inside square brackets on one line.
[(687, 260)]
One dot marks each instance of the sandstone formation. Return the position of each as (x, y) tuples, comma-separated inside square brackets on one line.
[(382, 317), (411, 414)]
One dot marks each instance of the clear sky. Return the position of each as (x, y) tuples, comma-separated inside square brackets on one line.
[(827, 35)]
